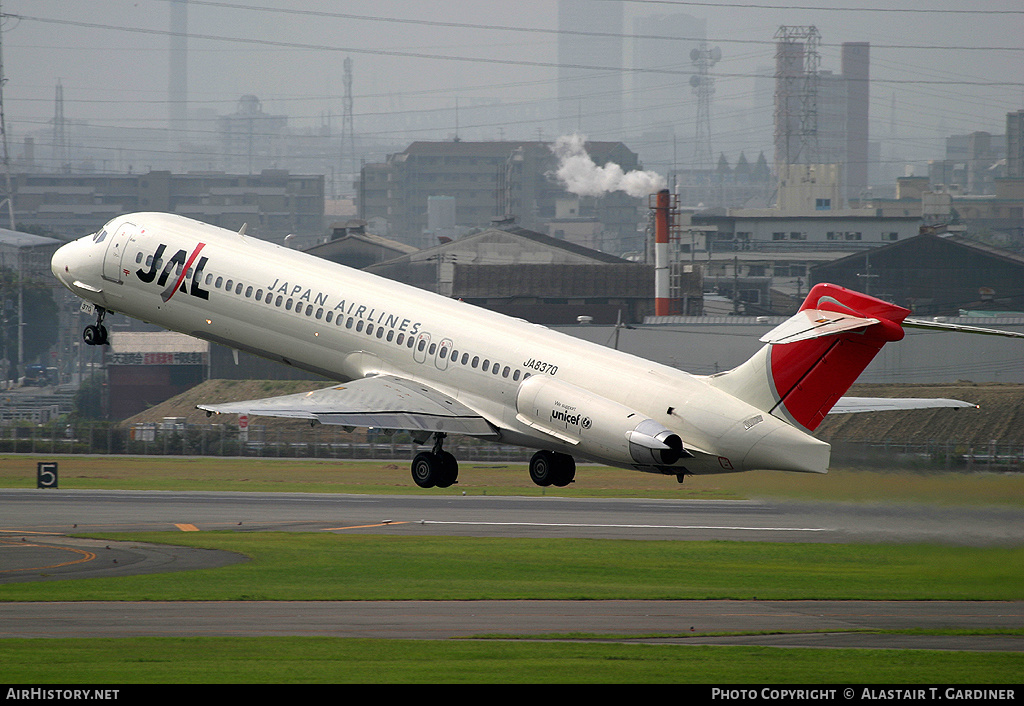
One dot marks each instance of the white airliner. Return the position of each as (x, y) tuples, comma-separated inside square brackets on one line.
[(407, 359)]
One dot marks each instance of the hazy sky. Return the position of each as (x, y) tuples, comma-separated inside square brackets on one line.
[(946, 72)]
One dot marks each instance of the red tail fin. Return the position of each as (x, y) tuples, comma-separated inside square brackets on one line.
[(809, 376)]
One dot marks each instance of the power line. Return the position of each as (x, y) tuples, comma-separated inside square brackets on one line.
[(581, 33), (444, 57), (819, 8), (478, 27)]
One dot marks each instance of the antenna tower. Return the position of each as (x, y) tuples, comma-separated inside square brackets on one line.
[(797, 62), (6, 156), (703, 85), (348, 139)]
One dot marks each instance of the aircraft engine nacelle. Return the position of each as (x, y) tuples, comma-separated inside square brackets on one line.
[(596, 426)]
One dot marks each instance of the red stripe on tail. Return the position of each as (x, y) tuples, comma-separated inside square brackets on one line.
[(810, 376)]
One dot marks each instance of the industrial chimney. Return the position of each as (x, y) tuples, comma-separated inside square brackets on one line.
[(662, 226)]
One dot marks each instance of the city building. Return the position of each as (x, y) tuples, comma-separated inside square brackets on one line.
[(251, 139), (759, 260), (973, 163), (663, 103), (352, 246), (271, 204), (933, 274), (590, 59), (996, 217), (529, 275), (488, 180), (144, 369), (1015, 144), (725, 186)]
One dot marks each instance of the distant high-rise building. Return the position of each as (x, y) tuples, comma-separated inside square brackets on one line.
[(251, 139), (972, 163), (1015, 144), (590, 69), (177, 93), (856, 67), (661, 98), (662, 106)]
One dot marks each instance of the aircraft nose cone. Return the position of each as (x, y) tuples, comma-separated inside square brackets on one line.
[(75, 261), (60, 263)]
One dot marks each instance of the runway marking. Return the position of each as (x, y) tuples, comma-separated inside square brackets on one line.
[(379, 524), (186, 527), (660, 527), (86, 556)]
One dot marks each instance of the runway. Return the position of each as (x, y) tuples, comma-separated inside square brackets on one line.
[(80, 511), (35, 546), (806, 623)]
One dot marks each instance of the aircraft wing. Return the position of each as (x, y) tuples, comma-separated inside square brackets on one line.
[(384, 401), (850, 405), (814, 323)]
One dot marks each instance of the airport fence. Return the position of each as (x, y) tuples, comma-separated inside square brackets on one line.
[(944, 455), (216, 440), (333, 442)]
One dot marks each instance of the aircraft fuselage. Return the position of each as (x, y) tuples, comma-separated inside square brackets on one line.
[(534, 386)]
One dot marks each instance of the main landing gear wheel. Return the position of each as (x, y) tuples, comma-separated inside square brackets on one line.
[(431, 470), (551, 468), (436, 468)]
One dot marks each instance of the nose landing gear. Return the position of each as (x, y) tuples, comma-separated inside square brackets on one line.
[(96, 335)]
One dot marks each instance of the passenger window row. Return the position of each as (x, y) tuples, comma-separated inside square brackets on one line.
[(359, 325)]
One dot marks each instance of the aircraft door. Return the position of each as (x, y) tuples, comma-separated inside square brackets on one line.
[(419, 351), (444, 351), (115, 253)]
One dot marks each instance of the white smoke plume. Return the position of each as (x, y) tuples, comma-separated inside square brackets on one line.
[(578, 173)]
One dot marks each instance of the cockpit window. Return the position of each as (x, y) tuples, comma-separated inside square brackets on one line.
[(101, 236)]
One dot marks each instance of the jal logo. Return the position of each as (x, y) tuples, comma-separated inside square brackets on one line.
[(182, 259)]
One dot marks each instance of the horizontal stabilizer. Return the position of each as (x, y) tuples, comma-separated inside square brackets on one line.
[(815, 323), (850, 405), (385, 402), (943, 326)]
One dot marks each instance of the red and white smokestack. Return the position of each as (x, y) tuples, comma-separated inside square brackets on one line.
[(662, 304)]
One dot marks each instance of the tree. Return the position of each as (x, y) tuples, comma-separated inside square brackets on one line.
[(39, 315)]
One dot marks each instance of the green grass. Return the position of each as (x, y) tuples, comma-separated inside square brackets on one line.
[(392, 477), (289, 566), (1001, 632), (290, 660)]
